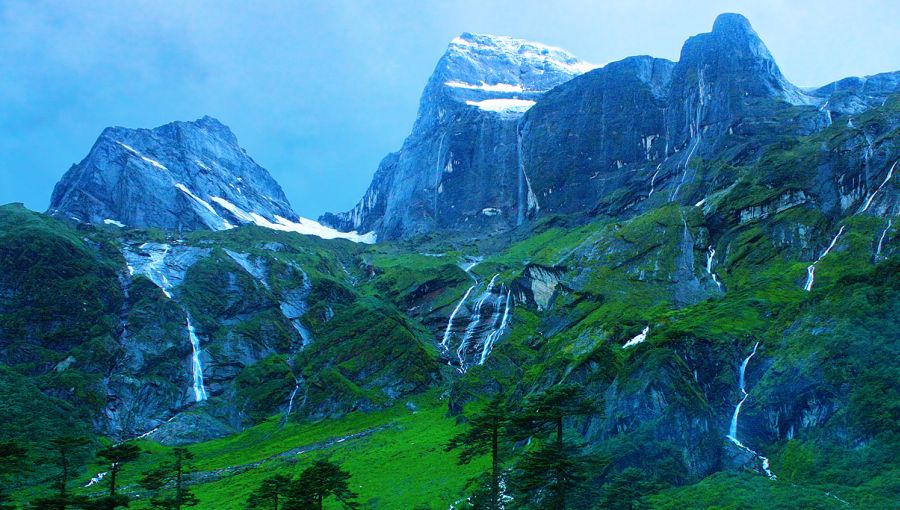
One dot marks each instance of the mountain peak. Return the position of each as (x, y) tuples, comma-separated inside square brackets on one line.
[(500, 74), (170, 177), (732, 23)]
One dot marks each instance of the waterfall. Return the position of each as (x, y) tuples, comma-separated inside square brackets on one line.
[(810, 277), (196, 365), (520, 161), (732, 430), (492, 338), (474, 321), (449, 331), (710, 257), (881, 239), (883, 183), (154, 272), (640, 337), (827, 112), (811, 269), (525, 198), (437, 175), (696, 135), (653, 179), (297, 382)]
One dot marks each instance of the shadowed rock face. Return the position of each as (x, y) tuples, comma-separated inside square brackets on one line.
[(601, 143), (459, 167), (166, 178)]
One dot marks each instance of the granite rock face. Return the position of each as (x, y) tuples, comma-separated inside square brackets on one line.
[(617, 140), (180, 176), (458, 168)]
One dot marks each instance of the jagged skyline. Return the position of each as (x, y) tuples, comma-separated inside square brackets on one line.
[(329, 128)]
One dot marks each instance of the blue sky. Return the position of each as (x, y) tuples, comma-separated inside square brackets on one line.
[(319, 92)]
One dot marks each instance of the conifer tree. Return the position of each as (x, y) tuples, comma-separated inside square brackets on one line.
[(317, 483), (12, 457), (172, 474), (116, 456), (271, 493), (66, 451), (484, 434), (553, 470)]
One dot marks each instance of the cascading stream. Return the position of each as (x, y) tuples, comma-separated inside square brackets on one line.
[(811, 269), (653, 180), (883, 183), (710, 260), (199, 389), (696, 134), (475, 320), (154, 271), (495, 334), (824, 109), (732, 430), (881, 239)]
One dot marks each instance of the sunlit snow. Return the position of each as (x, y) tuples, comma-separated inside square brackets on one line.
[(303, 226), (497, 87), (503, 105)]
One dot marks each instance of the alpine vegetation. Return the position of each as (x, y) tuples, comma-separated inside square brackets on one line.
[(648, 284)]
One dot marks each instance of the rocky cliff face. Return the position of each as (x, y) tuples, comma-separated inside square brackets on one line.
[(182, 176), (464, 137), (177, 177), (617, 140)]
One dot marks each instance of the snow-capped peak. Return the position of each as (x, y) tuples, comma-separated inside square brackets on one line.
[(503, 74), (519, 51)]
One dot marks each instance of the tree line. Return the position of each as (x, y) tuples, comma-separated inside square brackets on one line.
[(550, 471)]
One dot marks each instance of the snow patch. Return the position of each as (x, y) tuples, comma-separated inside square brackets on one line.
[(119, 224), (640, 337), (503, 105), (497, 87), (302, 226)]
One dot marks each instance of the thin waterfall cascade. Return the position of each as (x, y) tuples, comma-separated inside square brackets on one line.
[(474, 322), (824, 109), (882, 185), (165, 267), (448, 332), (653, 180), (487, 320), (883, 235), (497, 331), (445, 342), (290, 407), (710, 260), (438, 174), (732, 430), (526, 200), (811, 269), (196, 365), (696, 134)]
